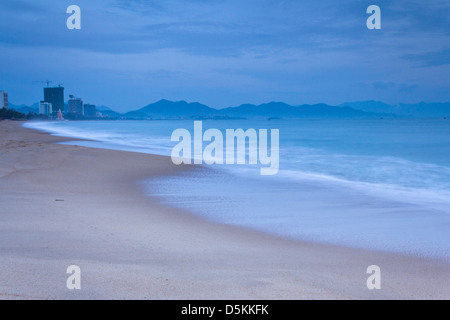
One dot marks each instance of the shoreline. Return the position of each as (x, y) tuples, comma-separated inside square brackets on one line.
[(129, 245), (319, 191)]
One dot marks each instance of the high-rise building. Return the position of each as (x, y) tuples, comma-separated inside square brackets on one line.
[(3, 99), (90, 110), (75, 106), (45, 108), (55, 96)]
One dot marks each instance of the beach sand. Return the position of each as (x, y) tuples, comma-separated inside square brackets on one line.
[(66, 205)]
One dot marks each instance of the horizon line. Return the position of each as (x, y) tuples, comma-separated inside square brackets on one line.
[(252, 104)]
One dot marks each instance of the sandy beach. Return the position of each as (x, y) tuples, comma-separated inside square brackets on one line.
[(67, 205)]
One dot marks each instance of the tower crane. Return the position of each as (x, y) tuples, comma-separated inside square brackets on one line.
[(46, 81)]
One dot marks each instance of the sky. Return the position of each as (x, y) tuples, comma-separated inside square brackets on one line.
[(223, 53)]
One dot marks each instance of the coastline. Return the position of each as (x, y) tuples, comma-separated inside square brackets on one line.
[(130, 246)]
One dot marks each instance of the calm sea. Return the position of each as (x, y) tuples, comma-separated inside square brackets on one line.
[(380, 183)]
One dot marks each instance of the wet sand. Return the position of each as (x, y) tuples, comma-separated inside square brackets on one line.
[(66, 205)]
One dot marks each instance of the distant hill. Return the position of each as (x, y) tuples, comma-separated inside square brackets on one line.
[(34, 108), (370, 106), (272, 109), (423, 109), (106, 111), (429, 110), (103, 108), (165, 109), (283, 110)]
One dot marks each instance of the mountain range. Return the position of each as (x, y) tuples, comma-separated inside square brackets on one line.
[(165, 109), (428, 110)]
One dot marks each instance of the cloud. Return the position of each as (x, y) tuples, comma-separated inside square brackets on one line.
[(19, 7), (379, 85), (430, 59), (407, 88), (304, 51)]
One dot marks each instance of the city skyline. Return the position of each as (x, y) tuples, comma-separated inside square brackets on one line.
[(129, 53)]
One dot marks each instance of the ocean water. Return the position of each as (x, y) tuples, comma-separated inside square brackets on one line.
[(380, 183)]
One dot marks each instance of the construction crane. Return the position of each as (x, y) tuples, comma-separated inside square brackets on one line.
[(46, 81)]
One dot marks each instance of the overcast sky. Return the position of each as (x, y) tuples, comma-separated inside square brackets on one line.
[(226, 52)]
